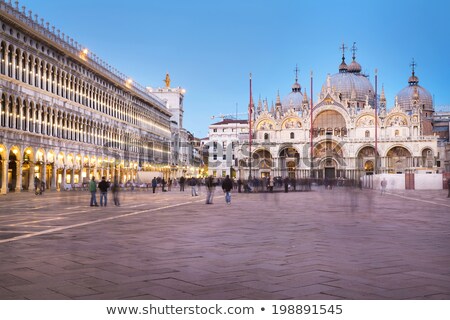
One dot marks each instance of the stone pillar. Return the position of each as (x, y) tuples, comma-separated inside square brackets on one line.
[(31, 178), (54, 177), (4, 176), (72, 176), (13, 74), (44, 173), (63, 178), (18, 176)]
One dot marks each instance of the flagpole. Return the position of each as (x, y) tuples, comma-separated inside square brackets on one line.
[(250, 130), (376, 123), (311, 129)]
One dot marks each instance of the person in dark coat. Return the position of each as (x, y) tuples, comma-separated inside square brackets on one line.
[(209, 183), (227, 185), (103, 186), (182, 182), (115, 190), (154, 184), (239, 183)]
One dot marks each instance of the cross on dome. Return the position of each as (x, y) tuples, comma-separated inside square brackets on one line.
[(354, 49)]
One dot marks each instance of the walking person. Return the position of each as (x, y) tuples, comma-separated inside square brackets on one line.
[(154, 184), (270, 184), (193, 184), (115, 190), (227, 185), (103, 186), (182, 181), (239, 183), (209, 190), (93, 191), (383, 186), (37, 183)]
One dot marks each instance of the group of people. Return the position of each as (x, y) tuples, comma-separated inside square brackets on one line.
[(226, 184), (103, 186), (39, 186)]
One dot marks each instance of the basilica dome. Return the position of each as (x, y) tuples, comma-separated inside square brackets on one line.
[(413, 94), (352, 86), (349, 83), (293, 99)]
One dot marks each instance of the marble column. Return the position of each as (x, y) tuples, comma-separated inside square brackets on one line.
[(54, 177), (4, 176), (31, 178), (18, 187)]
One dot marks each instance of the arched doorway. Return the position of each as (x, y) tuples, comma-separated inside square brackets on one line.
[(427, 158), (12, 170), (329, 160), (369, 167), (366, 160), (289, 162), (262, 161), (398, 159), (27, 170)]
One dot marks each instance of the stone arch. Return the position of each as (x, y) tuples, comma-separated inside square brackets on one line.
[(427, 157), (366, 159), (327, 121), (398, 159)]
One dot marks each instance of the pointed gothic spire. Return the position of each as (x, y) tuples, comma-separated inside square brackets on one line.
[(382, 96), (278, 103)]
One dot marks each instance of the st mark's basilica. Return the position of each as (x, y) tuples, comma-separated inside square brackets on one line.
[(344, 124)]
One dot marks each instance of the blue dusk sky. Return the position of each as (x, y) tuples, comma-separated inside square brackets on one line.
[(210, 47)]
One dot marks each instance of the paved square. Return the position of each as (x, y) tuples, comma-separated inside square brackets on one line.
[(323, 244)]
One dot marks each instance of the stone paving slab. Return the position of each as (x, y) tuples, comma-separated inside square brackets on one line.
[(323, 244)]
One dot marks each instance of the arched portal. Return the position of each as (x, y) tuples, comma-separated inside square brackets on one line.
[(329, 160), (366, 160), (398, 159), (329, 123), (289, 162), (262, 162), (427, 158), (13, 170)]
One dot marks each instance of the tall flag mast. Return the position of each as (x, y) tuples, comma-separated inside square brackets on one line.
[(376, 122), (311, 128), (250, 106)]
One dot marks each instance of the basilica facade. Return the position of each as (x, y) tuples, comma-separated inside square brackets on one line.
[(66, 115), (350, 138)]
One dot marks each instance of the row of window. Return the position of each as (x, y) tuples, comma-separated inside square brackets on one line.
[(19, 114), (69, 84)]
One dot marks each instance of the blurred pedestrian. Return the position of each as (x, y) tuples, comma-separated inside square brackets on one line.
[(182, 181), (193, 184), (209, 189), (93, 191), (115, 190), (154, 184), (227, 185), (383, 186)]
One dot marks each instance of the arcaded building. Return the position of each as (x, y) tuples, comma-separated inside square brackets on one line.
[(65, 115)]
